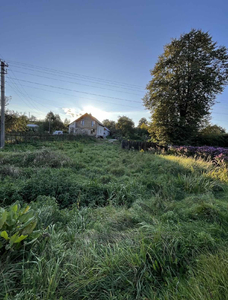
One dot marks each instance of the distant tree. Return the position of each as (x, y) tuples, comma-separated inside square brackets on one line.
[(50, 116), (213, 130), (66, 122), (211, 135), (125, 126), (32, 119), (55, 122), (142, 121), (15, 122), (144, 127), (57, 118), (185, 81), (111, 125)]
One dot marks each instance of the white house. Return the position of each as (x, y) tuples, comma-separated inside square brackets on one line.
[(88, 125), (106, 131)]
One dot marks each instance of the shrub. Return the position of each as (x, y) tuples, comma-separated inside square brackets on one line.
[(43, 157), (8, 170), (219, 155), (17, 224)]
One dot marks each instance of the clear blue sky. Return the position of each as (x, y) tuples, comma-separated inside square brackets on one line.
[(110, 46)]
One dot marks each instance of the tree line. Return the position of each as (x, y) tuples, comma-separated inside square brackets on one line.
[(124, 127), (17, 122)]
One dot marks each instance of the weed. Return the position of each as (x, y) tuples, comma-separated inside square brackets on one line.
[(118, 225)]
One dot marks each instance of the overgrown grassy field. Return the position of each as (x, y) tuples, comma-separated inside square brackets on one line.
[(115, 224)]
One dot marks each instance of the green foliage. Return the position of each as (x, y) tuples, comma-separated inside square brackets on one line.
[(116, 224), (43, 157), (212, 135), (207, 281), (17, 224), (185, 81), (111, 125), (212, 130), (125, 128), (125, 125), (15, 122), (142, 121), (54, 121)]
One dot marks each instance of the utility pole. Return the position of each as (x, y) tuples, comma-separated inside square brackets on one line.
[(3, 72)]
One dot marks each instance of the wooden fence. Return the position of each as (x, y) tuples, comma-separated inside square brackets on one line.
[(16, 138), (134, 145)]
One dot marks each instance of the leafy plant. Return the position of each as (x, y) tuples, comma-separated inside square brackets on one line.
[(17, 224)]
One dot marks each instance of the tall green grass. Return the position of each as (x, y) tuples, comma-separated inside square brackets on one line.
[(115, 224)]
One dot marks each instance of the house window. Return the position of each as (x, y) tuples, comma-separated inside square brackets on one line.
[(82, 122), (93, 123)]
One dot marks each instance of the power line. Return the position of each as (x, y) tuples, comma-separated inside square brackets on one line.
[(62, 74), (74, 97), (18, 92), (76, 74), (76, 91), (87, 93), (27, 103), (23, 92), (17, 87), (22, 98), (51, 78), (65, 74), (83, 97)]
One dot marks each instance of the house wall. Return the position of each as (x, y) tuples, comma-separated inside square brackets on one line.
[(86, 128), (100, 130), (87, 123)]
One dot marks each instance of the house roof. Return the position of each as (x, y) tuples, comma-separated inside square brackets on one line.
[(89, 115)]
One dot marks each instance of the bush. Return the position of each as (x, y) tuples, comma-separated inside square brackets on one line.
[(43, 157), (216, 154), (17, 225), (212, 139)]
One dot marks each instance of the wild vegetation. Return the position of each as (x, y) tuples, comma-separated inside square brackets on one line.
[(185, 81), (217, 155), (125, 128), (111, 224), (17, 122)]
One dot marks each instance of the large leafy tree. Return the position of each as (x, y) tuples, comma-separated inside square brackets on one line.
[(125, 126), (185, 81)]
